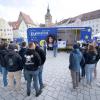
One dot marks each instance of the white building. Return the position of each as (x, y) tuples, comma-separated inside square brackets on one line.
[(21, 25), (6, 33), (91, 19)]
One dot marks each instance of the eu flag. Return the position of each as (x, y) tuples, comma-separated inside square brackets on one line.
[(85, 34)]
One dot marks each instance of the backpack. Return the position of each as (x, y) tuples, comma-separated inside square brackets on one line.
[(11, 60), (28, 60)]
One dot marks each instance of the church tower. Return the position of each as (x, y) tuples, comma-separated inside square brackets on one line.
[(48, 18)]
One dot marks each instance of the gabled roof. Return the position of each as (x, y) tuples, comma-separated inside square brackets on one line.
[(91, 15), (22, 17), (15, 25), (83, 17), (26, 18), (63, 21)]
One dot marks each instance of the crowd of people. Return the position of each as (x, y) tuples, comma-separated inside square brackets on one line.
[(83, 62), (29, 60)]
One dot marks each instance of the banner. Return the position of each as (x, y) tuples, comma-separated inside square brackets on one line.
[(86, 34), (62, 44), (38, 34)]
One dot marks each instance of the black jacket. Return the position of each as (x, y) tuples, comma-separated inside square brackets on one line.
[(41, 54), (2, 55), (17, 61), (98, 53), (35, 60), (22, 54), (90, 58)]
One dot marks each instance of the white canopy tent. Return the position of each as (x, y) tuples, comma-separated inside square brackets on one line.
[(97, 35)]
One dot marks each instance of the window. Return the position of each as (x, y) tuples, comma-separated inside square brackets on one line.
[(4, 30), (97, 25), (0, 29), (92, 30), (96, 30)]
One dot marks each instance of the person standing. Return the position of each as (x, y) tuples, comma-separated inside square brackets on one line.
[(90, 60), (97, 59), (14, 66), (45, 47), (43, 58), (22, 52), (83, 50), (55, 48), (3, 52), (32, 63), (1, 58), (74, 66)]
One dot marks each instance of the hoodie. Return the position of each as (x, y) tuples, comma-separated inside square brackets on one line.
[(32, 60), (17, 61)]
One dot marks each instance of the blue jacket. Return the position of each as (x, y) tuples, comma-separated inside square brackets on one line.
[(74, 60)]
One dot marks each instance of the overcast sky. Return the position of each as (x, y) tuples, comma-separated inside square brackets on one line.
[(60, 9)]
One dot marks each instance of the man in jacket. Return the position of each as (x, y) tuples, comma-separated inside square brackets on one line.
[(74, 60), (32, 63), (14, 66), (3, 52), (43, 58), (22, 54)]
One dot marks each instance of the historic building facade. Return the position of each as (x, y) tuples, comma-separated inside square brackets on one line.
[(20, 27), (6, 32), (48, 18)]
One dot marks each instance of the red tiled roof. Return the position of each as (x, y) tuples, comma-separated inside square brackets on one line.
[(22, 16), (63, 21), (26, 18), (15, 25), (91, 15), (83, 17)]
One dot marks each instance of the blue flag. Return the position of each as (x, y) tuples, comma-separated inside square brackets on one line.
[(86, 34)]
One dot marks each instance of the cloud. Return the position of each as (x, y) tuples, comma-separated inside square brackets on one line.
[(17, 3), (60, 9)]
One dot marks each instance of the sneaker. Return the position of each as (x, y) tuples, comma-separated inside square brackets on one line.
[(37, 94), (73, 90), (44, 85), (89, 86), (28, 93)]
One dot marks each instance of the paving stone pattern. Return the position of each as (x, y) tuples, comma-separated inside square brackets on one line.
[(57, 78)]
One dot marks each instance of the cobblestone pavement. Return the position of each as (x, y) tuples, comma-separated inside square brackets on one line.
[(57, 78)]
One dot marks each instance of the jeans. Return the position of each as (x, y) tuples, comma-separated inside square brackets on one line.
[(95, 71), (0, 69), (29, 76), (89, 69), (4, 73), (45, 50), (55, 52), (24, 74), (40, 76), (75, 78), (83, 71)]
